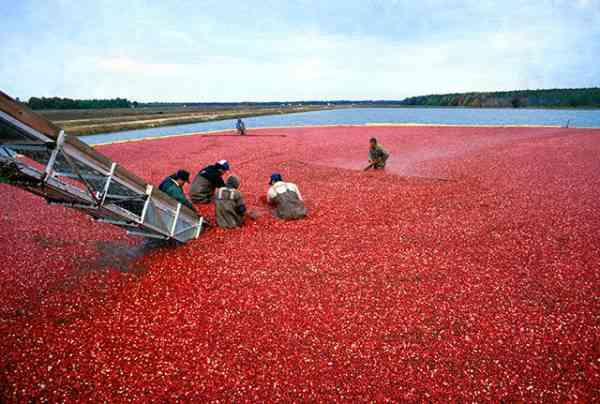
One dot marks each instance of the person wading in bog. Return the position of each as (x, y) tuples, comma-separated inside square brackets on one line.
[(240, 126), (230, 209), (286, 198), (207, 180), (173, 186), (378, 156)]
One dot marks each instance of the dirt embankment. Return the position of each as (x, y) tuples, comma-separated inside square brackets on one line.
[(88, 122)]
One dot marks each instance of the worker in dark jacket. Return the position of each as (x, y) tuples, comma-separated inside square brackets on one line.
[(207, 180), (241, 128), (173, 186), (286, 198), (378, 156), (230, 209)]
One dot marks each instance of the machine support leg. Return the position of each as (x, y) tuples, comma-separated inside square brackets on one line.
[(108, 181), (174, 225), (50, 166), (145, 209), (200, 224)]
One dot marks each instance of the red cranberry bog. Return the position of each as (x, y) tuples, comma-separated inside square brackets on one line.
[(468, 271)]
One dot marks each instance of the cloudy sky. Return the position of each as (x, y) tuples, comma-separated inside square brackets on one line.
[(220, 50)]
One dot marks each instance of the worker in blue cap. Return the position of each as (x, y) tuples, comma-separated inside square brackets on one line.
[(207, 180), (286, 198), (173, 186)]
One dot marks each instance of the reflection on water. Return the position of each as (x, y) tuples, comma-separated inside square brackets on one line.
[(358, 116)]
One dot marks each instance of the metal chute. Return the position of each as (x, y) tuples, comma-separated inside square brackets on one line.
[(42, 159)]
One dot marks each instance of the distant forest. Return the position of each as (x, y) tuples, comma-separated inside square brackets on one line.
[(67, 103), (555, 98)]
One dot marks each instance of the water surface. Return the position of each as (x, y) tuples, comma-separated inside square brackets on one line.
[(359, 116)]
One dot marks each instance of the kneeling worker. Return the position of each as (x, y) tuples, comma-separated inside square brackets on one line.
[(377, 155), (173, 186), (286, 197), (207, 180), (230, 209)]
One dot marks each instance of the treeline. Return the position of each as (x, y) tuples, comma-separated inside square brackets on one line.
[(68, 103), (553, 98)]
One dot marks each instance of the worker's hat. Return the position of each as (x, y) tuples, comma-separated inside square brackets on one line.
[(275, 177), (223, 165), (233, 181)]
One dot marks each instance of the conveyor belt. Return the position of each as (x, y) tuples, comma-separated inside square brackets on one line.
[(40, 158)]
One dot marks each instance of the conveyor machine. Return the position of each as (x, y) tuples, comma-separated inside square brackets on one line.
[(40, 158)]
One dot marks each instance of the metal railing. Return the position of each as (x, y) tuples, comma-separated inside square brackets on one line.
[(42, 159)]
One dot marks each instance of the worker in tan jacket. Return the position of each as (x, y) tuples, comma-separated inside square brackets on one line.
[(378, 156), (230, 209)]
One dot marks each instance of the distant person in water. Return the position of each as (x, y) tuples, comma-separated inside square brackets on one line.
[(286, 198), (207, 180), (173, 186), (378, 156), (241, 128), (230, 209)]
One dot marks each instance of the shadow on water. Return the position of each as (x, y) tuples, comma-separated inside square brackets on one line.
[(126, 258), (111, 255)]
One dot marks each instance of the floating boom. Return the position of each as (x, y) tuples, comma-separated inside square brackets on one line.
[(40, 158)]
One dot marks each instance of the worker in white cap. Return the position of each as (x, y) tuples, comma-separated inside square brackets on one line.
[(207, 180)]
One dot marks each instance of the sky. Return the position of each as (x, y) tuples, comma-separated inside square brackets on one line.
[(220, 50)]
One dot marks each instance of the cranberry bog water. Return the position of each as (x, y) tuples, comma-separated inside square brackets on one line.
[(469, 270)]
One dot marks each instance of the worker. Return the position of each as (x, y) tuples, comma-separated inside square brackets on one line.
[(241, 128), (173, 186), (286, 197), (378, 156), (207, 180), (230, 209)]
